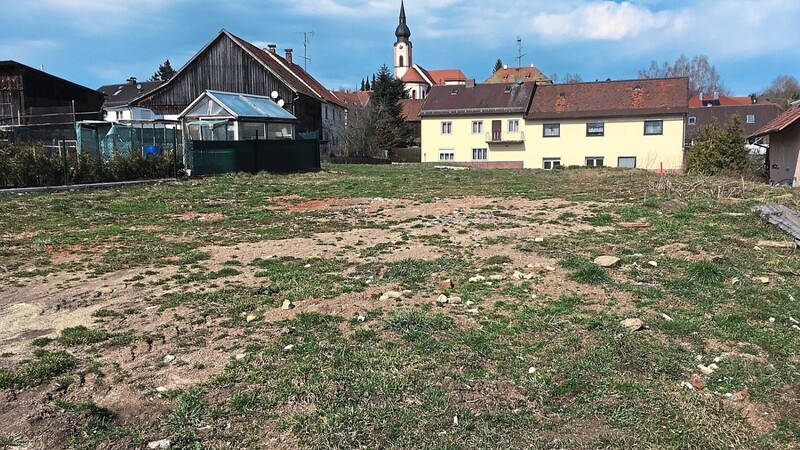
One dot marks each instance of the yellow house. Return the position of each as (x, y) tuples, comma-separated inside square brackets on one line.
[(635, 123), (632, 123), (476, 124)]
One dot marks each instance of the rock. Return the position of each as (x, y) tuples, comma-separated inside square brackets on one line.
[(529, 276), (442, 300), (454, 300), (250, 318), (307, 266), (741, 395), (762, 280), (161, 444), (169, 358), (391, 295), (697, 382), (713, 367), (632, 324), (771, 320), (517, 275), (606, 261), (447, 284), (161, 389), (531, 370), (473, 311), (288, 348), (687, 385), (469, 303), (666, 317), (286, 330), (735, 281), (652, 263), (497, 277), (287, 304), (538, 239), (361, 318), (705, 370), (455, 421)]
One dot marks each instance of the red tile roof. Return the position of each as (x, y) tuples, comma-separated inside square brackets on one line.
[(413, 75), (723, 100), (350, 98), (510, 75), (779, 123), (610, 98), (481, 99), (411, 109), (441, 77)]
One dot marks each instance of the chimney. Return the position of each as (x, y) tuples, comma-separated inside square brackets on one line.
[(701, 96), (470, 83), (505, 66), (288, 55), (716, 95), (272, 48), (132, 80)]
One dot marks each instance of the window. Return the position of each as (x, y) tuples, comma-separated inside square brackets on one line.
[(551, 163), (447, 155), (628, 162), (552, 130), (692, 120), (594, 161), (652, 127), (447, 127), (513, 126), (401, 61), (119, 115), (477, 127), (480, 154), (595, 129), (751, 118)]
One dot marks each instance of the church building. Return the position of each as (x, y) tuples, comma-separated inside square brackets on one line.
[(418, 81)]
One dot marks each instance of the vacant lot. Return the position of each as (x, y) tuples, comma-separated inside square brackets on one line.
[(401, 307)]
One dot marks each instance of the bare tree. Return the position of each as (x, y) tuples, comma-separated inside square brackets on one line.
[(567, 78), (703, 76), (783, 90)]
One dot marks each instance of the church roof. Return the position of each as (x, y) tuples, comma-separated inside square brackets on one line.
[(416, 74)]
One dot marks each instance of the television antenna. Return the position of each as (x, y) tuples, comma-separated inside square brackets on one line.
[(306, 42), (520, 55)]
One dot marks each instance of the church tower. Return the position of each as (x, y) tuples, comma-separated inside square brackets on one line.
[(402, 48)]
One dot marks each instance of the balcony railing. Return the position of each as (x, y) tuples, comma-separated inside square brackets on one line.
[(505, 137)]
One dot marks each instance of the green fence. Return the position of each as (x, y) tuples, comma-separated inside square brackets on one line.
[(281, 156)]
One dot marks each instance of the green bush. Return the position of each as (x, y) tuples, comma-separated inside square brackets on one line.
[(29, 165), (719, 150)]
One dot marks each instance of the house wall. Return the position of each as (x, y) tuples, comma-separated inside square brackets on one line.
[(461, 141), (124, 113), (784, 149), (623, 137)]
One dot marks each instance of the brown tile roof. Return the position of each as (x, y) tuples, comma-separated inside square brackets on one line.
[(704, 115), (441, 77), (510, 75), (411, 109), (294, 75), (779, 123), (481, 99), (353, 98), (610, 99)]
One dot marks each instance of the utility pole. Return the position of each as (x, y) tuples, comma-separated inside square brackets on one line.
[(520, 55), (306, 41)]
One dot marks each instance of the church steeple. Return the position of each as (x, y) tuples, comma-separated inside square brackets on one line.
[(402, 32), (402, 48)]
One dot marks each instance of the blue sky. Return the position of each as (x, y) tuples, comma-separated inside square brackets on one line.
[(96, 42)]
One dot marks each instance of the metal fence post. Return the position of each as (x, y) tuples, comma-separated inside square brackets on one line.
[(175, 154), (62, 147)]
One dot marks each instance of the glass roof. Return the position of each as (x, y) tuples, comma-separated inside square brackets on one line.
[(241, 105)]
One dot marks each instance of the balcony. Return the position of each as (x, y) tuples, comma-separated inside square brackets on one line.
[(502, 137)]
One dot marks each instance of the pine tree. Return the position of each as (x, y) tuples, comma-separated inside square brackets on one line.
[(164, 72), (386, 112), (363, 86), (367, 86), (498, 65)]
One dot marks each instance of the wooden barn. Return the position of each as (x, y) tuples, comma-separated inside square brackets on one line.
[(231, 64), (31, 97)]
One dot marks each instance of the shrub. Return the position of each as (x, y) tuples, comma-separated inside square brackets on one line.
[(718, 150)]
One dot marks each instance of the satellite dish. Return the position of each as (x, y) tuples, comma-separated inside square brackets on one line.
[(139, 87), (274, 95), (281, 103)]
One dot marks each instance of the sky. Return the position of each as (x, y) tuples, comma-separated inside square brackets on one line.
[(98, 42)]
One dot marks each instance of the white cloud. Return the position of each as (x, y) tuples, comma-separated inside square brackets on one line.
[(606, 21)]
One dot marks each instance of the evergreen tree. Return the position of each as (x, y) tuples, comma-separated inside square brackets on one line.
[(367, 86), (363, 86), (373, 81), (716, 149), (498, 65), (386, 112), (164, 72)]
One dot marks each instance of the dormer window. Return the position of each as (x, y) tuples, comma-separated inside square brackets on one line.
[(454, 91), (507, 89)]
